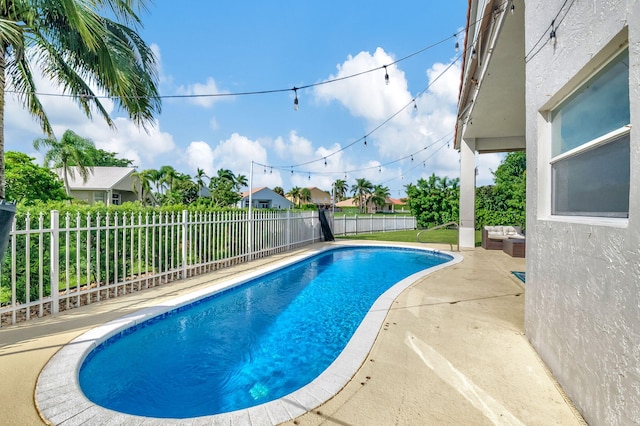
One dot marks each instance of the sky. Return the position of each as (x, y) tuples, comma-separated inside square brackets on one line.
[(229, 48)]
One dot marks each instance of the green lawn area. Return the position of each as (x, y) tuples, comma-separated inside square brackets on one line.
[(444, 236)]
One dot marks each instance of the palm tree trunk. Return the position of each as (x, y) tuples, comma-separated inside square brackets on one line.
[(3, 51)]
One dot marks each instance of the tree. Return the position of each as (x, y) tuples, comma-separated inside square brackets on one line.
[(28, 183), (69, 153), (504, 203), (223, 193), (168, 176), (340, 188), (199, 179), (278, 190), (294, 194), (72, 44), (142, 185), (305, 195), (240, 181), (379, 196), (434, 201), (102, 158), (361, 190)]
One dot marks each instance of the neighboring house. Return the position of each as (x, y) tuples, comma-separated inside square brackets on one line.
[(109, 185), (320, 198), (564, 76), (264, 198), (349, 202), (391, 205)]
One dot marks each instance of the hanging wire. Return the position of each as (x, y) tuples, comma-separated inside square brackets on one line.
[(551, 30)]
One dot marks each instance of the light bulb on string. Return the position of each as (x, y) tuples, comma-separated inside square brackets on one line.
[(265, 170), (271, 170), (411, 157), (292, 170), (325, 161), (415, 106), (386, 75), (379, 169), (457, 44), (513, 8), (295, 101), (365, 141), (473, 53), (309, 176), (424, 164)]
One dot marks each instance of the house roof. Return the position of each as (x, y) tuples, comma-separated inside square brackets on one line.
[(396, 201), (349, 202), (102, 178), (246, 193)]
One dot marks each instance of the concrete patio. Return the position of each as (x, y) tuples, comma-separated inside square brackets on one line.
[(452, 351)]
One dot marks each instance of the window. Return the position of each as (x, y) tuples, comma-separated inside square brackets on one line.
[(98, 197), (590, 146), (115, 199)]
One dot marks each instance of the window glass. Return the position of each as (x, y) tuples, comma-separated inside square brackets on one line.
[(599, 107), (595, 182)]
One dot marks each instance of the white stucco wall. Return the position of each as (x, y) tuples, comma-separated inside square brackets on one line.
[(583, 276)]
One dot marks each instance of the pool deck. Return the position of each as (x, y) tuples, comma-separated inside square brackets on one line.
[(452, 350)]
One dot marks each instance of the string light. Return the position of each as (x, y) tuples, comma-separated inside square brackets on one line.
[(415, 105), (552, 34), (457, 46), (295, 101), (386, 75), (325, 161), (365, 141), (513, 8), (379, 169), (473, 53)]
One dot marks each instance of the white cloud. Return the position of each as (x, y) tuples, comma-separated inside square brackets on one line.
[(367, 95), (201, 91)]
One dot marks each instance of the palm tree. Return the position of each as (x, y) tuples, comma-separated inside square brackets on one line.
[(379, 195), (294, 194), (71, 43), (167, 175), (361, 190), (305, 195), (226, 174), (142, 184), (199, 179), (278, 190), (70, 149), (340, 188), (240, 181)]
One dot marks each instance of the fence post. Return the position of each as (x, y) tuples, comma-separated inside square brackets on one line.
[(288, 229), (356, 217), (55, 254), (185, 228)]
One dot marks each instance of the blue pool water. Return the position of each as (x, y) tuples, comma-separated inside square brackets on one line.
[(249, 345)]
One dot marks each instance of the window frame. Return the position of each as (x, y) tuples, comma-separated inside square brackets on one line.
[(595, 143)]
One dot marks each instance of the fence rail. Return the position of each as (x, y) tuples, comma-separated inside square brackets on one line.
[(366, 224), (63, 263)]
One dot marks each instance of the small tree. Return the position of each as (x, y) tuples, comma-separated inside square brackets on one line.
[(70, 153), (29, 183)]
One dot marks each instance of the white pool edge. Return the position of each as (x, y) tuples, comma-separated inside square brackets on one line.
[(60, 400)]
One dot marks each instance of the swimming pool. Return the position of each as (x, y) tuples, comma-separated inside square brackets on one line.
[(246, 326)]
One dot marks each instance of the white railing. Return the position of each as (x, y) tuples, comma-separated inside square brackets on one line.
[(366, 224), (96, 257)]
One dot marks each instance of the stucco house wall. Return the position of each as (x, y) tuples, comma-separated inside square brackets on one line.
[(582, 311)]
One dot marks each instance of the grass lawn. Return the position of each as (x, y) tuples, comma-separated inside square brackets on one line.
[(444, 236)]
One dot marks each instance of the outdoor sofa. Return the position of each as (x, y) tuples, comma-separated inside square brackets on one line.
[(493, 236)]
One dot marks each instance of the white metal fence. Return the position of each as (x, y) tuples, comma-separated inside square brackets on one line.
[(92, 257), (366, 224)]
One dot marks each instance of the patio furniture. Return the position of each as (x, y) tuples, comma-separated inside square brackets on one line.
[(515, 247), (493, 236)]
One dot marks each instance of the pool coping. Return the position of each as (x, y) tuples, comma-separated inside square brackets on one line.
[(60, 400)]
